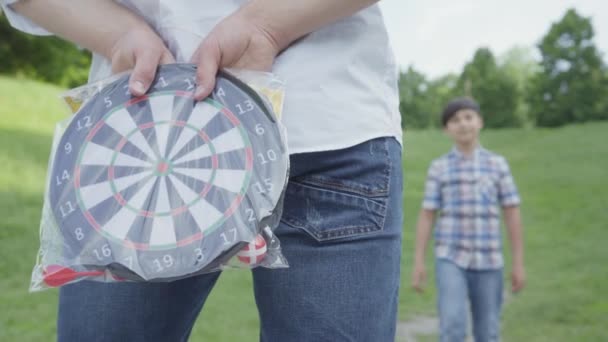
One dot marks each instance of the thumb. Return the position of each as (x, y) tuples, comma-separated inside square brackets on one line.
[(167, 58), (143, 73), (207, 59)]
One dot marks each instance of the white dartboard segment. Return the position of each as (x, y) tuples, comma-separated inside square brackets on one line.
[(231, 180), (163, 231), (122, 122), (198, 153), (95, 154), (199, 174), (162, 113), (200, 116), (163, 204), (229, 141)]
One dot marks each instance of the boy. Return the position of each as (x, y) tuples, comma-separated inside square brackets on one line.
[(466, 187)]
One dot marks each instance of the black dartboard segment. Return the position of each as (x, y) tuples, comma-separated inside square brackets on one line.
[(161, 186)]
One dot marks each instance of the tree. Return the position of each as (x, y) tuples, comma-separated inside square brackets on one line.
[(413, 104), (440, 91), (519, 64), (572, 85), (422, 100), (492, 87)]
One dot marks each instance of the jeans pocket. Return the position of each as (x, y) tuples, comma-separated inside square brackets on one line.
[(354, 204)]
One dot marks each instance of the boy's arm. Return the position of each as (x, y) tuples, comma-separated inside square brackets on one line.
[(514, 227), (106, 28), (423, 233)]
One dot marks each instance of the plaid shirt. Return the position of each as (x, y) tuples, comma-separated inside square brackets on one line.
[(468, 193)]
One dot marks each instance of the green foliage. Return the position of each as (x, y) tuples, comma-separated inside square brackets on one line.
[(572, 85), (413, 88), (422, 100), (48, 59), (519, 64), (497, 87), (569, 85), (441, 90), (494, 89)]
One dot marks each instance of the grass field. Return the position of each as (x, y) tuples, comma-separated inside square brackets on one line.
[(561, 174)]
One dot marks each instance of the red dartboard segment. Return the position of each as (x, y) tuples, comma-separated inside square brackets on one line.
[(231, 117), (138, 99), (233, 206)]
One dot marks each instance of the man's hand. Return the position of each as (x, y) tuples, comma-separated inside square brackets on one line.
[(142, 50), (125, 39), (237, 41), (518, 278), (419, 277)]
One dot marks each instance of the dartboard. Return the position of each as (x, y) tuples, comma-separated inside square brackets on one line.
[(162, 186)]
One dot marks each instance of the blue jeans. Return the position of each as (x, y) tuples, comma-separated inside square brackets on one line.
[(456, 287), (341, 233)]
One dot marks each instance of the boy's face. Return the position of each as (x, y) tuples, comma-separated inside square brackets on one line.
[(464, 126)]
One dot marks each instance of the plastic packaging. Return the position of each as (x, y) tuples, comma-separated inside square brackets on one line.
[(161, 187)]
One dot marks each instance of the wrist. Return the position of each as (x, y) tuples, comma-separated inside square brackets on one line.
[(263, 22), (113, 44), (517, 264)]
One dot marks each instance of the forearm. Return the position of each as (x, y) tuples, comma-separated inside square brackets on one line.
[(288, 20), (423, 233), (93, 24), (515, 232)]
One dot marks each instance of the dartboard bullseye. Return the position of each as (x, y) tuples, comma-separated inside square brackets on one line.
[(162, 186)]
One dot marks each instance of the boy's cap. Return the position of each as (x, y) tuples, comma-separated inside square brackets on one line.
[(458, 104)]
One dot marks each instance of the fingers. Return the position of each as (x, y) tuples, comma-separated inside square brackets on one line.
[(517, 285), (207, 59), (418, 287), (517, 282), (143, 72), (166, 58), (514, 286), (418, 280)]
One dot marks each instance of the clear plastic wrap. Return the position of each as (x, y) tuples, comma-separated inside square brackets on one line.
[(161, 187)]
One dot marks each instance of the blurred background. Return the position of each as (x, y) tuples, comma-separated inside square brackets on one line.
[(537, 68)]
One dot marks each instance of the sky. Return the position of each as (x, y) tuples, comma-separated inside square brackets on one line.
[(441, 36)]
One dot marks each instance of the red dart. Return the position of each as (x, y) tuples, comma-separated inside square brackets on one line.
[(57, 275)]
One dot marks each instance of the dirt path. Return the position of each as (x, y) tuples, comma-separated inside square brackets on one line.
[(421, 325), (408, 331)]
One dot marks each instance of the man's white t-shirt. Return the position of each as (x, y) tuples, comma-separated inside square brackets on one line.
[(341, 80)]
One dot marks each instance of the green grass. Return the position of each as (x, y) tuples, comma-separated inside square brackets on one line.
[(560, 174)]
